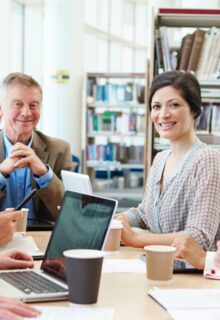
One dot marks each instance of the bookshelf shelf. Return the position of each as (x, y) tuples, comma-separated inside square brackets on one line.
[(114, 133), (188, 17), (114, 165), (170, 23), (116, 106)]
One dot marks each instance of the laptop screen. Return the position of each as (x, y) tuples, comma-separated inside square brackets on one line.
[(82, 223)]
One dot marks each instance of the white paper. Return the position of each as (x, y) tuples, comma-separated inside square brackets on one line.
[(206, 314), (74, 313), (123, 265), (187, 298), (190, 304), (24, 243)]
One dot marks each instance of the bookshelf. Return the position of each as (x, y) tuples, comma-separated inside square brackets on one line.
[(114, 134), (198, 47)]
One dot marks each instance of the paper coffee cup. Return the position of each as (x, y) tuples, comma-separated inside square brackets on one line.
[(21, 223), (159, 262), (83, 268), (114, 237)]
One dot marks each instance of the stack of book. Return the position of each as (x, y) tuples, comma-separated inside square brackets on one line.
[(199, 53), (114, 91), (115, 122), (116, 152)]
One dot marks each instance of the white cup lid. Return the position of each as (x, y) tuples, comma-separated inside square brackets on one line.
[(116, 224), (83, 253), (158, 248)]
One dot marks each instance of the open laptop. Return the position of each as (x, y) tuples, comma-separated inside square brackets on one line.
[(83, 222), (77, 182)]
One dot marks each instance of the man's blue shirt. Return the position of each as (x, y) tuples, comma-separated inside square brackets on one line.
[(19, 183)]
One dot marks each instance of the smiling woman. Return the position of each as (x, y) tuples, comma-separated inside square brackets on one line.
[(182, 191)]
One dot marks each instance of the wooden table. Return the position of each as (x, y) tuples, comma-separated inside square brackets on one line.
[(127, 292)]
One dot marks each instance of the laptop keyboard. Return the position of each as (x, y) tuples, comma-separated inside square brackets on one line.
[(31, 282)]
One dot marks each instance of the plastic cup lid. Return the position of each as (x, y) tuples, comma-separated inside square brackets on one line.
[(116, 224)]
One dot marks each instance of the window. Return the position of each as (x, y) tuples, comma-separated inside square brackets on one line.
[(116, 36), (17, 42)]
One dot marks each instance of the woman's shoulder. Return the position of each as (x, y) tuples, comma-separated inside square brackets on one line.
[(206, 153), (205, 150)]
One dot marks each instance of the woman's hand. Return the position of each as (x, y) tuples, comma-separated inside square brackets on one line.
[(189, 249), (129, 237)]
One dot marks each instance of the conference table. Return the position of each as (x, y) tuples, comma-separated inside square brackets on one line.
[(127, 293)]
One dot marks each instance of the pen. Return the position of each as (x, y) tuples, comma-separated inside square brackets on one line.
[(26, 199)]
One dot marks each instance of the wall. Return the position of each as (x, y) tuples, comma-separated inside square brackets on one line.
[(63, 50)]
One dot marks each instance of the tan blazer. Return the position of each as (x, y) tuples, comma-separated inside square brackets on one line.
[(56, 153)]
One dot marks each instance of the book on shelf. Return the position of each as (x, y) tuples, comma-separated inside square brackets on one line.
[(213, 55), (203, 122), (159, 53), (115, 152), (165, 49), (203, 55), (198, 38), (115, 122), (215, 126), (114, 91), (185, 51)]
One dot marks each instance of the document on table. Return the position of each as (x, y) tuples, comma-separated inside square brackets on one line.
[(123, 265), (202, 314), (74, 313), (189, 303), (24, 243)]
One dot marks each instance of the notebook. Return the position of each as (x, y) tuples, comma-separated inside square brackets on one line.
[(77, 182), (83, 222)]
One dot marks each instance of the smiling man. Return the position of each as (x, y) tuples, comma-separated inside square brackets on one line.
[(28, 158)]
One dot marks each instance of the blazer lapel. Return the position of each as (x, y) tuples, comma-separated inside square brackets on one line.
[(39, 147)]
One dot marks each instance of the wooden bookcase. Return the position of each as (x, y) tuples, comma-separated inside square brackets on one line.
[(176, 20), (114, 134)]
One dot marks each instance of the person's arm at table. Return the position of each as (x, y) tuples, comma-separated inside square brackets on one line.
[(12, 309), (7, 225), (139, 240)]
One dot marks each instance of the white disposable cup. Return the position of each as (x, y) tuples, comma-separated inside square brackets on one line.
[(21, 222), (114, 237), (21, 226)]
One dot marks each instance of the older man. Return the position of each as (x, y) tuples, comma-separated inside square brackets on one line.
[(28, 158)]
